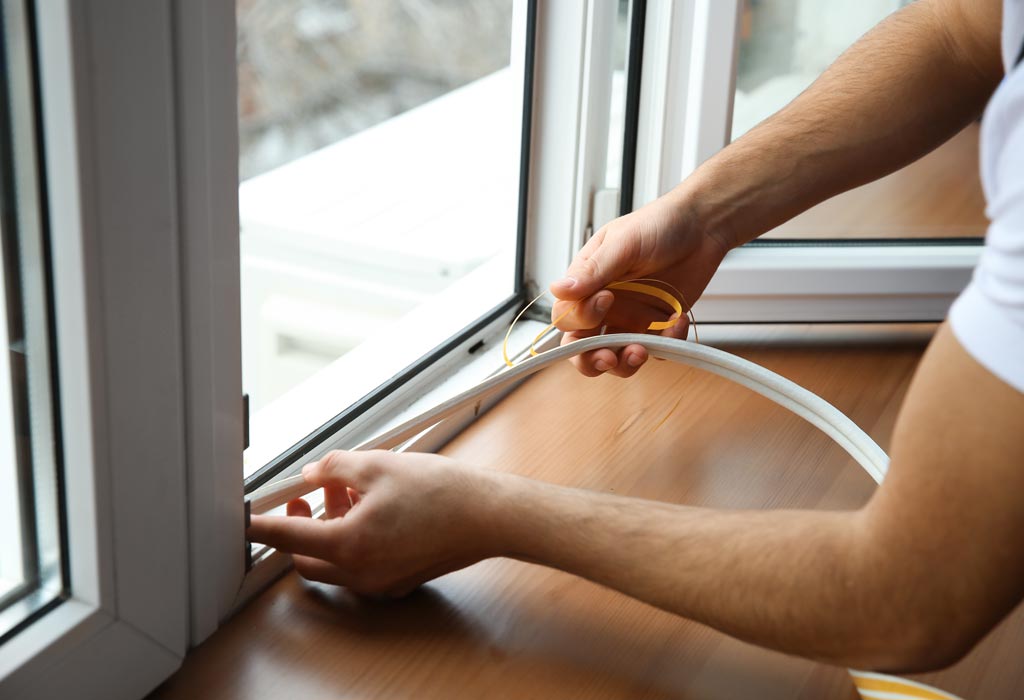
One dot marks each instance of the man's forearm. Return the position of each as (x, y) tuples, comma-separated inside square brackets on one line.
[(789, 580), (901, 90)]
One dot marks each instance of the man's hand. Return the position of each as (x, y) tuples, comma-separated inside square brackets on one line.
[(909, 582), (929, 69), (662, 240), (393, 521)]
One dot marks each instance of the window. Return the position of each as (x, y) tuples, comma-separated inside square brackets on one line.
[(576, 88), (349, 230), (380, 165), (32, 572), (93, 351)]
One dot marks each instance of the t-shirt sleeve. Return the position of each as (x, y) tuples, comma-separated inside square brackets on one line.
[(988, 317)]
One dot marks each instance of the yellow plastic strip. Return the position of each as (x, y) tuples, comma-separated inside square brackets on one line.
[(656, 292), (636, 285), (899, 686), (667, 298), (504, 344), (533, 343)]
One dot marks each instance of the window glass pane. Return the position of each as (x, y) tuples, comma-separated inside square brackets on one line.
[(380, 144), (617, 111), (31, 571), (12, 564), (784, 46)]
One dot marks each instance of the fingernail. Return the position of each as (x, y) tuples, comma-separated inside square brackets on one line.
[(307, 470), (567, 282), (603, 303), (634, 361), (602, 366)]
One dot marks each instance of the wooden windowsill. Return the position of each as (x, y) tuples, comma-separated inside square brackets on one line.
[(507, 629)]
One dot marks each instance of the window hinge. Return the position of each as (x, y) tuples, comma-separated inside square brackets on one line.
[(245, 421), (248, 544), (605, 207), (248, 507)]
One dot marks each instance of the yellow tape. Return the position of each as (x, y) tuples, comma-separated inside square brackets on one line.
[(899, 687), (635, 285), (658, 293)]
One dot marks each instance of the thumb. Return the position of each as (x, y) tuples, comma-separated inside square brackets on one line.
[(337, 468), (599, 263)]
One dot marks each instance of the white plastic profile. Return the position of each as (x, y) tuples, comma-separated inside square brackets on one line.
[(800, 401)]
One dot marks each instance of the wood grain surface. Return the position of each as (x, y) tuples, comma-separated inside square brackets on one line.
[(505, 629), (938, 196)]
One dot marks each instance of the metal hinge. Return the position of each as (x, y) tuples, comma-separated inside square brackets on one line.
[(245, 422), (245, 446)]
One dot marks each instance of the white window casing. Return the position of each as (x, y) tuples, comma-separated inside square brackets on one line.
[(107, 128), (801, 284), (569, 145), (139, 126), (568, 154), (207, 165)]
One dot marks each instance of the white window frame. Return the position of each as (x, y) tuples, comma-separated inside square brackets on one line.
[(689, 68), (139, 126), (419, 324), (140, 130), (158, 492), (569, 147), (107, 125)]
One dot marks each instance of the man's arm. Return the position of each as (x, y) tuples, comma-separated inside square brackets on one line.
[(910, 582), (901, 90)]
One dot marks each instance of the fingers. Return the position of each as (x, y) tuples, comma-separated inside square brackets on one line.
[(625, 316), (600, 262), (341, 468), (592, 363), (630, 359), (342, 475), (337, 501), (313, 569), (303, 535), (589, 313), (580, 281), (680, 330), (624, 363), (299, 508), (629, 311)]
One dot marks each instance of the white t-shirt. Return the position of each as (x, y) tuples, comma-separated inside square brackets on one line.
[(988, 317)]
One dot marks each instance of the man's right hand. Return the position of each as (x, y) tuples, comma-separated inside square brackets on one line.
[(663, 241), (828, 140)]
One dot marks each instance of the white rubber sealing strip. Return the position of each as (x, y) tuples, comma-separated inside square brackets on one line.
[(803, 403), (809, 406)]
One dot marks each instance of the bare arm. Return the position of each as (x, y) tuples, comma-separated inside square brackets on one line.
[(909, 582), (901, 90)]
